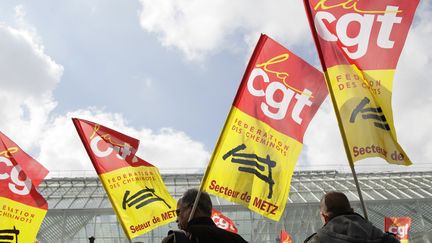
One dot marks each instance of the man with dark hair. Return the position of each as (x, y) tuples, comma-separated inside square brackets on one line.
[(342, 224), (201, 229)]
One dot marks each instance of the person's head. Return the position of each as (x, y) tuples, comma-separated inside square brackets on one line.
[(185, 204), (333, 204)]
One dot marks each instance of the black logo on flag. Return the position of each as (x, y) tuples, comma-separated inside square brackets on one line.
[(253, 165), (9, 235), (141, 198), (375, 114)]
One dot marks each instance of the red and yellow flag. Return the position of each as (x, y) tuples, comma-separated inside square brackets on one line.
[(262, 138), (136, 190), (399, 226), (285, 237), (223, 221), (22, 208), (359, 43)]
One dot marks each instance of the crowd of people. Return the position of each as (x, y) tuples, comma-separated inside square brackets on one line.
[(340, 223)]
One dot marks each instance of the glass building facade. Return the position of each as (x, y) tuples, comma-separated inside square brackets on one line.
[(79, 207)]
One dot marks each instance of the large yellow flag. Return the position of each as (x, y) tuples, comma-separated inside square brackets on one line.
[(359, 44), (22, 208), (136, 190), (259, 146)]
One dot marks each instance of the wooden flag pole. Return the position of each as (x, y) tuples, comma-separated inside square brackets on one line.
[(345, 142), (195, 205), (333, 98), (358, 187)]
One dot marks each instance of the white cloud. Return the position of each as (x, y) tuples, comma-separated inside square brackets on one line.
[(412, 89), (323, 144), (28, 77), (199, 28)]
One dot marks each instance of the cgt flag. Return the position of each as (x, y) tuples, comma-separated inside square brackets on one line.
[(22, 208), (285, 237), (223, 221), (399, 226), (135, 187), (255, 156), (359, 44)]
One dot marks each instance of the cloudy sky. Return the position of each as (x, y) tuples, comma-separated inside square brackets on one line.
[(166, 72)]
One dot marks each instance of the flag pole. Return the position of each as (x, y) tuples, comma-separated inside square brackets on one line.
[(195, 205), (333, 98), (357, 186), (192, 213), (345, 142), (204, 178)]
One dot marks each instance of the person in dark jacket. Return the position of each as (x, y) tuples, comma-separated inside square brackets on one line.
[(201, 229), (342, 224)]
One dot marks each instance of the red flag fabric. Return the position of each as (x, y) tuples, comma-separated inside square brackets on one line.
[(108, 145), (223, 221), (398, 226), (22, 208), (35, 171), (285, 237)]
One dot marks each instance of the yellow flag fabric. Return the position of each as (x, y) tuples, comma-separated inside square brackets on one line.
[(135, 188), (19, 222), (254, 159), (253, 166), (366, 117), (359, 44)]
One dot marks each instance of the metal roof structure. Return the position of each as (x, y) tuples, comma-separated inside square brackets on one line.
[(79, 207)]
